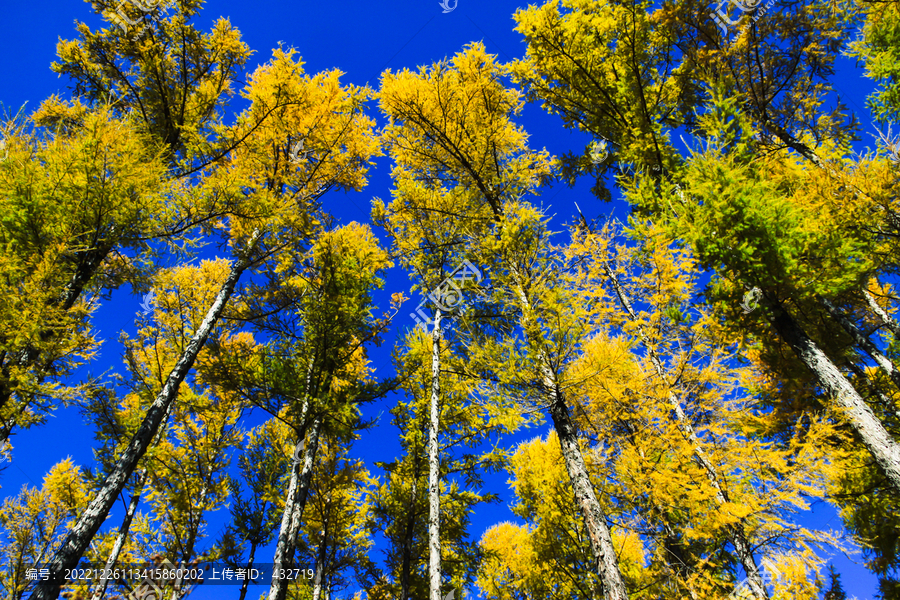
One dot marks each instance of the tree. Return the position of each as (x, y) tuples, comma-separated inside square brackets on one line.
[(816, 285), (263, 468), (276, 203), (34, 524), (92, 186), (335, 537), (74, 199), (459, 156), (835, 589), (316, 370)]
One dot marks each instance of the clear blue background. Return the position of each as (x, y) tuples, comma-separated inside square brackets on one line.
[(361, 39)]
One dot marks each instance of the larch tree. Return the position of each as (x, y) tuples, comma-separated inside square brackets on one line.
[(142, 114), (335, 538), (274, 206), (254, 498), (76, 201), (34, 524), (530, 361), (631, 75), (459, 156)]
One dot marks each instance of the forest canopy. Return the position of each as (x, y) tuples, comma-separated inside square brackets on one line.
[(667, 397)]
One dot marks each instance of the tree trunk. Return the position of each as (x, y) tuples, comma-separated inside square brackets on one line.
[(860, 339), (298, 492), (881, 314), (321, 555), (738, 536), (434, 474), (92, 518), (594, 519), (249, 566), (100, 589), (871, 432), (591, 511), (406, 550)]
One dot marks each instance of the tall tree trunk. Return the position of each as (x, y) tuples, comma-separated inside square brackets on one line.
[(246, 582), (321, 556), (100, 589), (187, 553), (860, 339), (871, 432), (298, 492), (585, 497), (738, 535), (406, 549), (92, 518), (434, 463), (594, 518), (881, 314)]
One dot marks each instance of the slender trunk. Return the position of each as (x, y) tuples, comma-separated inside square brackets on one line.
[(321, 556), (881, 314), (92, 518), (594, 518), (100, 589), (863, 342), (434, 474), (871, 432), (585, 497), (198, 503), (284, 549), (298, 492), (738, 536), (246, 582), (326, 588), (406, 550)]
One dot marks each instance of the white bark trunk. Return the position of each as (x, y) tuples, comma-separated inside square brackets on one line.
[(594, 518), (881, 314), (738, 536), (100, 589), (871, 432), (298, 492), (92, 518), (863, 342), (585, 497), (434, 496), (321, 554)]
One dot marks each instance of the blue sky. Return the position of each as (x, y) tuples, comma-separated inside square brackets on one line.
[(362, 39)]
